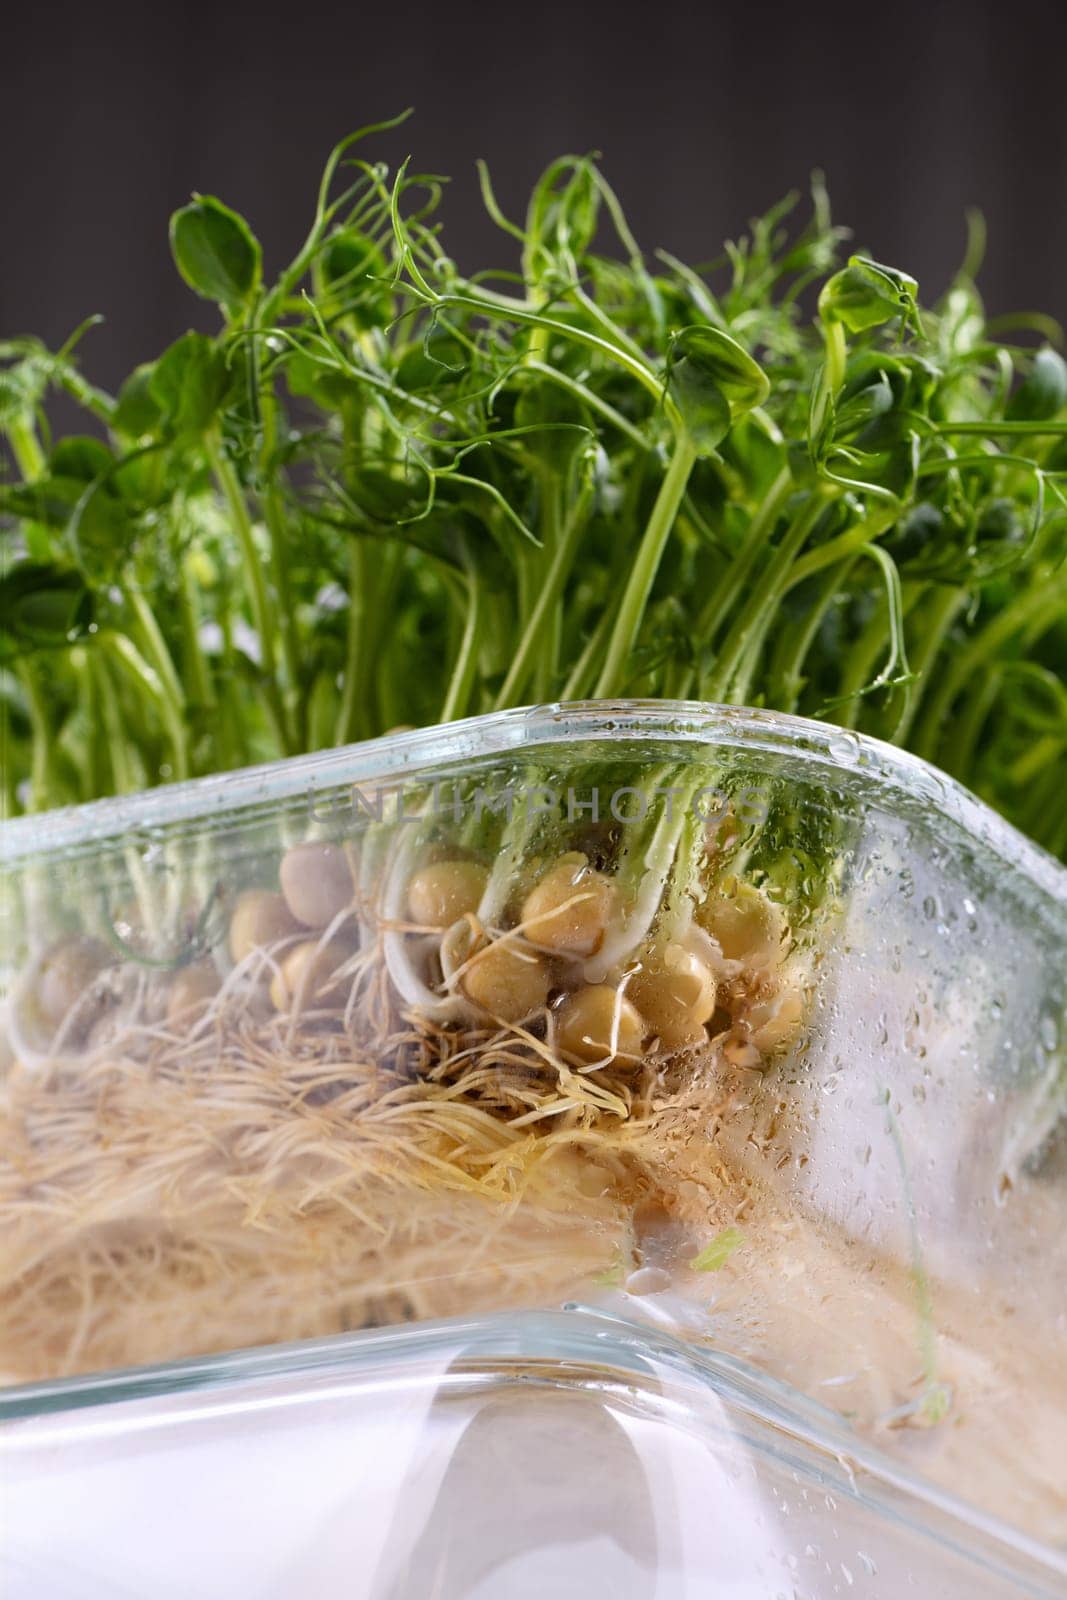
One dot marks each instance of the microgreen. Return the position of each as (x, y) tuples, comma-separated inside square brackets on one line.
[(391, 491), (715, 1255)]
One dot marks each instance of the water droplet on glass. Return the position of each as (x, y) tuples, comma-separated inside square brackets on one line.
[(648, 1280), (844, 747)]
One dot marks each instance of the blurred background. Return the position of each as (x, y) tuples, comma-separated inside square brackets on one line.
[(111, 116)]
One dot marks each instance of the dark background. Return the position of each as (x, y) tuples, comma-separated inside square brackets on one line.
[(110, 117)]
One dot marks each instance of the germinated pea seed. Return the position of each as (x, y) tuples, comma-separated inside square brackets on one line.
[(301, 973), (259, 920), (64, 972), (190, 990), (507, 982), (570, 908), (775, 1020), (675, 993), (746, 924), (597, 1024), (444, 891), (307, 971), (316, 882)]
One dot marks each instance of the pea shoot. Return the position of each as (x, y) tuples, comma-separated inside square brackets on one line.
[(781, 481)]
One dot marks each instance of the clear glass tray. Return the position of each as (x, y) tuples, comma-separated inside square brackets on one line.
[(503, 1459), (853, 1179)]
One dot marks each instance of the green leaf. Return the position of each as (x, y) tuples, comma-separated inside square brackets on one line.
[(713, 381), (41, 608), (860, 410), (352, 266), (1043, 392), (189, 383), (137, 412), (439, 361), (866, 294), (216, 252), (82, 458), (718, 1252)]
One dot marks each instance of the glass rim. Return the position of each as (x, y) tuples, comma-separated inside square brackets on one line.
[(883, 768)]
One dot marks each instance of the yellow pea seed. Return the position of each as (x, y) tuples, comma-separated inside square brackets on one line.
[(64, 973), (316, 882), (260, 919), (675, 992), (569, 910), (302, 973), (190, 990), (776, 1020), (444, 891), (598, 1024), (508, 982), (746, 924)]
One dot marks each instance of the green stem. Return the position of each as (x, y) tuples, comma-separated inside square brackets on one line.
[(787, 681), (228, 484), (30, 460), (846, 544), (580, 678), (747, 633), (274, 517), (8, 782), (588, 397), (233, 723), (42, 773), (93, 774), (457, 699), (155, 648), (349, 715), (1040, 606), (941, 614), (544, 607), (488, 303), (833, 376), (612, 678), (1043, 429), (124, 779), (149, 683), (26, 448), (957, 754), (756, 534), (859, 664), (382, 644), (194, 660)]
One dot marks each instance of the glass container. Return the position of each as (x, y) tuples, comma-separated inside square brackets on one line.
[(724, 1024)]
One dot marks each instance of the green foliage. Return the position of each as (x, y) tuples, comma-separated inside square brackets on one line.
[(713, 380), (41, 608), (866, 295), (387, 490), (216, 252)]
